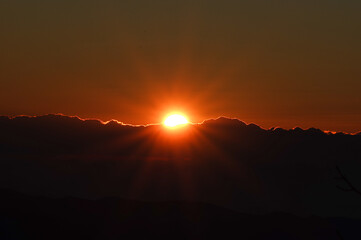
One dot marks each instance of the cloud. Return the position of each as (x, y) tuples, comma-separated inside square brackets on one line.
[(221, 161)]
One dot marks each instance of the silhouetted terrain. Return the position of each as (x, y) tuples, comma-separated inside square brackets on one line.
[(29, 217), (223, 162)]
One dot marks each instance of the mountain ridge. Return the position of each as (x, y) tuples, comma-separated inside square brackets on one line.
[(222, 161), (222, 120)]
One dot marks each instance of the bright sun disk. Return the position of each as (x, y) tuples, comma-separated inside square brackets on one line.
[(175, 120)]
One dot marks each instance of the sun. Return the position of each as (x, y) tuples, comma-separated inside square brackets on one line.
[(175, 120)]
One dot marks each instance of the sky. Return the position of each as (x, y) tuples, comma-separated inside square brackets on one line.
[(273, 63)]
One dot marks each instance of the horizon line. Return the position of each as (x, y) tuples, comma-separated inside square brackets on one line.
[(160, 123)]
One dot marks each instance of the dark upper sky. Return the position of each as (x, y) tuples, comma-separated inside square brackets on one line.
[(275, 63)]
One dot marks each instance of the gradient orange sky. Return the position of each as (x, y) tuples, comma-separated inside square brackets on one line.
[(273, 63)]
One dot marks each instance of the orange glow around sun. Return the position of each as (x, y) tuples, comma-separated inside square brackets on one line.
[(175, 120)]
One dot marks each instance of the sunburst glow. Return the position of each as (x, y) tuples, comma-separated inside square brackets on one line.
[(175, 120)]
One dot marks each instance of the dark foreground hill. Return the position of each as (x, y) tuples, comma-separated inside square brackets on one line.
[(32, 217)]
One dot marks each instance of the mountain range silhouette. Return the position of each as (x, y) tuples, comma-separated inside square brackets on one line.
[(224, 166)]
